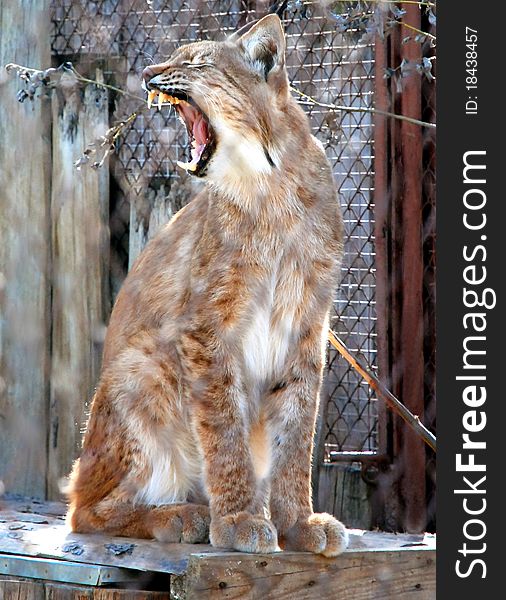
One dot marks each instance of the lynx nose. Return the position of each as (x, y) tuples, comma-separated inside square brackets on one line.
[(151, 72), (148, 73)]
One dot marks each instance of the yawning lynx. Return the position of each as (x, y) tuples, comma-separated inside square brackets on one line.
[(202, 423)]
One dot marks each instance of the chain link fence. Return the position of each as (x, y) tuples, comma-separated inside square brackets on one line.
[(123, 36)]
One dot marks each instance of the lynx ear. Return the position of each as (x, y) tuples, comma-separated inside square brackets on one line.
[(264, 45)]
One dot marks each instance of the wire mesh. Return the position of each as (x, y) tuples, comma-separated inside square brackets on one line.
[(332, 67)]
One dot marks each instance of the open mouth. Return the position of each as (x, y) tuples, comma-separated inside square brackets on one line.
[(200, 132)]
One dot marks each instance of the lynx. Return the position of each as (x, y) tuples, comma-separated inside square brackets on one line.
[(203, 419)]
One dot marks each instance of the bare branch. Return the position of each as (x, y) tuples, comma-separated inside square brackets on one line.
[(375, 111), (425, 33), (104, 85), (383, 392), (26, 73), (105, 142)]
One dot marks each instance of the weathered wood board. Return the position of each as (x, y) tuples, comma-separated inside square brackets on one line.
[(80, 269), (15, 589), (343, 492), (48, 536), (59, 570), (361, 575), (25, 167), (376, 566)]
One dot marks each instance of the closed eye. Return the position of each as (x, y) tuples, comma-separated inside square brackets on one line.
[(196, 65)]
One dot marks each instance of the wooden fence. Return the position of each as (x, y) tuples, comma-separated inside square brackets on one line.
[(54, 254)]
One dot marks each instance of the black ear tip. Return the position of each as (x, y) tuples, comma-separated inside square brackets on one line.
[(278, 8)]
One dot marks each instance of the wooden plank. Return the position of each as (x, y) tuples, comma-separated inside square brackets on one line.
[(16, 589), (80, 244), (377, 565), (25, 167), (343, 493), (51, 538), (22, 535), (403, 575), (20, 590), (26, 506), (64, 571)]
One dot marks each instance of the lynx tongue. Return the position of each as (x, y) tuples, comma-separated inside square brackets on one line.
[(198, 130)]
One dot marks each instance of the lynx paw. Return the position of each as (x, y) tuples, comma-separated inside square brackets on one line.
[(244, 532), (319, 533), (188, 523)]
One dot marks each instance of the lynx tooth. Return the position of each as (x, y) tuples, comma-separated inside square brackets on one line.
[(187, 166), (164, 98), (151, 97)]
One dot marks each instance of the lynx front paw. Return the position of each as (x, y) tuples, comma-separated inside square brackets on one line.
[(244, 532), (188, 523), (319, 533)]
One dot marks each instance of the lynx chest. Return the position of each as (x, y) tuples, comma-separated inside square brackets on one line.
[(273, 324)]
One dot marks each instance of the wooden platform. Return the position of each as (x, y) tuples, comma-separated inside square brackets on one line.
[(41, 560)]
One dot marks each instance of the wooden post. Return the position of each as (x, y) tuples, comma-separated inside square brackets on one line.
[(80, 244), (381, 492), (399, 498), (151, 209), (342, 492), (412, 458), (25, 167)]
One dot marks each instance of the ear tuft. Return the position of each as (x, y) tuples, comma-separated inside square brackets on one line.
[(264, 45)]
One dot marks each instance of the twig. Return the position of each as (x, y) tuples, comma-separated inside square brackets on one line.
[(106, 141), (101, 84), (383, 392), (374, 111), (123, 124), (69, 68), (36, 78), (9, 66), (425, 33)]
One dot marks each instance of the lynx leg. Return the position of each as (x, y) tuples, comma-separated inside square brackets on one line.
[(140, 463), (296, 405), (187, 523), (237, 519)]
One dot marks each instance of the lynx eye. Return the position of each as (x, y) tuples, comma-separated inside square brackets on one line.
[(196, 65)]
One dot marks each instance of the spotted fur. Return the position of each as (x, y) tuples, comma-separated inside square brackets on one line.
[(204, 415)]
